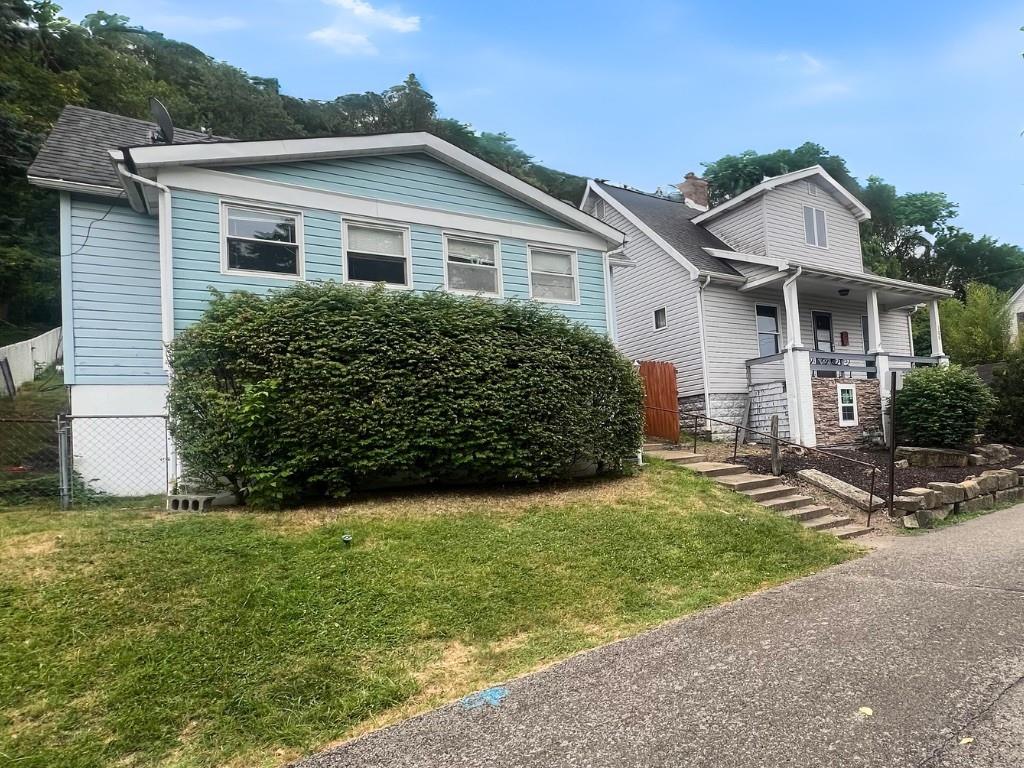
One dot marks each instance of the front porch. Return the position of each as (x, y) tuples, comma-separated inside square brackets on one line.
[(828, 351)]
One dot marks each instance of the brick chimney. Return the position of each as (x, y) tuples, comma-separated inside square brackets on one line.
[(694, 191)]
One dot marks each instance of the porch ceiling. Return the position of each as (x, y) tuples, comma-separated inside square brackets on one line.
[(892, 294)]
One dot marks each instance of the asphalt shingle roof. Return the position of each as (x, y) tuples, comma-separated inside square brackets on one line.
[(672, 221), (76, 149)]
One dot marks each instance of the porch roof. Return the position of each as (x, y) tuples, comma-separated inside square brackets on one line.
[(891, 292)]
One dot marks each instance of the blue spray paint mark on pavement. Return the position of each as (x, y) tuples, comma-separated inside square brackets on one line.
[(491, 697)]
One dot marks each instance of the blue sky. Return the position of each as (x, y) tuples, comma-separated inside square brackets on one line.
[(928, 95)]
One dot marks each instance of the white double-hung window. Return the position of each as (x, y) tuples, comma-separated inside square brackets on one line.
[(847, 405), (471, 265), (553, 275), (814, 227), (377, 253), (261, 240)]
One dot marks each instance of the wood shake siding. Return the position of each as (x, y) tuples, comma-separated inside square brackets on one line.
[(742, 228), (656, 281), (785, 224)]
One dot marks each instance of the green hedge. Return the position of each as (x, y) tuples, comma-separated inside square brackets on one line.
[(1007, 424), (321, 389), (941, 407)]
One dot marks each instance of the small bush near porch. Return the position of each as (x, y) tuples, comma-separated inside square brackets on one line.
[(320, 389), (942, 407), (194, 640)]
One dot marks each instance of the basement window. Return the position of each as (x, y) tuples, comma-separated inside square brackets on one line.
[(847, 405), (660, 319), (262, 241), (814, 227)]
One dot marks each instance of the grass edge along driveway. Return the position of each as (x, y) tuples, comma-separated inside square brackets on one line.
[(139, 638)]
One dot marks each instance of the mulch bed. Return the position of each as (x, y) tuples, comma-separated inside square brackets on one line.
[(861, 476)]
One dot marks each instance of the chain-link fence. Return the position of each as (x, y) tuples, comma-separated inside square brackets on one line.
[(79, 460), (29, 461)]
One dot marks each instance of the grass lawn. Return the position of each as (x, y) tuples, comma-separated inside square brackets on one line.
[(138, 638)]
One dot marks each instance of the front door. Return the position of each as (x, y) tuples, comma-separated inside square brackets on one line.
[(823, 341)]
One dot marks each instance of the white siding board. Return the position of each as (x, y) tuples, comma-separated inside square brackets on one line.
[(784, 217), (742, 228)]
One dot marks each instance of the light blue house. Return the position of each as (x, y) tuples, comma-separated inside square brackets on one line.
[(148, 228)]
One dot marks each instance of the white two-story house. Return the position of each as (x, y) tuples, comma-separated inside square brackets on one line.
[(763, 305)]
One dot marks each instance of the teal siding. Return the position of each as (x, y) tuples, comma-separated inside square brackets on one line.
[(197, 262), (115, 295), (415, 179)]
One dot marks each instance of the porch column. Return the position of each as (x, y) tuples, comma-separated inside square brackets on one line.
[(936, 332), (881, 358), (797, 361), (792, 301)]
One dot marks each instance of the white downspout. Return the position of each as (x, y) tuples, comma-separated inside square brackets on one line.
[(166, 269), (174, 469), (704, 345)]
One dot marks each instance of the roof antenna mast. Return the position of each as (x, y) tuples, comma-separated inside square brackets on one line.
[(164, 134)]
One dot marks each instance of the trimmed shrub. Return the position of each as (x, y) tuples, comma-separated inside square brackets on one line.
[(321, 389), (941, 407), (1007, 423)]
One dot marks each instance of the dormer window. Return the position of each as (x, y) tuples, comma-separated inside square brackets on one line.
[(814, 227)]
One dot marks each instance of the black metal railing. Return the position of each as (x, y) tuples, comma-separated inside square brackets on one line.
[(697, 418)]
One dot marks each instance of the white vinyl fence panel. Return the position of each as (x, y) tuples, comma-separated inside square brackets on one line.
[(27, 356)]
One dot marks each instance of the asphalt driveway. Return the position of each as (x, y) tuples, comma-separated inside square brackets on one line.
[(911, 656)]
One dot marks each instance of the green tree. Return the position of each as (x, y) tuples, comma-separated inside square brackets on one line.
[(976, 330)]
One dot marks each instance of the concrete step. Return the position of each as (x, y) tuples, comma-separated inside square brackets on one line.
[(809, 512), (716, 468), (677, 456), (826, 521), (769, 492), (748, 481), (850, 531), (788, 502), (659, 447)]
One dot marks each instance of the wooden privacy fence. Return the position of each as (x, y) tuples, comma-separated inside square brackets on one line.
[(661, 400)]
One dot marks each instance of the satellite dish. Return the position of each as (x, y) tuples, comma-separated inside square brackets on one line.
[(165, 128)]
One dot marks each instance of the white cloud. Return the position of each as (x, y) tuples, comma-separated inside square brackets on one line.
[(197, 24), (350, 32), (810, 80)]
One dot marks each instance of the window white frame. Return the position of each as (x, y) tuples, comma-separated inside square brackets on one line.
[(815, 211), (300, 260), (664, 315), (453, 235), (852, 389), (812, 188), (572, 253), (778, 327), (377, 224)]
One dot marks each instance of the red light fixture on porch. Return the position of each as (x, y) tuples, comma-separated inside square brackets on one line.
[(844, 338)]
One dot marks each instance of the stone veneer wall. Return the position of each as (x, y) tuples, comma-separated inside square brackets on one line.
[(767, 400), (727, 407), (826, 411)]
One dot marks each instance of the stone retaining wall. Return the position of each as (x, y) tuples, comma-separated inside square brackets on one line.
[(921, 506)]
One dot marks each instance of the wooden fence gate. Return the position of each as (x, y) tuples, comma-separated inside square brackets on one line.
[(661, 400)]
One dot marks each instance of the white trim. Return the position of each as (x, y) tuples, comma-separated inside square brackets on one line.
[(291, 150), (747, 258), (753, 285), (530, 247), (300, 259), (644, 228), (654, 319), (839, 401), (497, 263), (378, 224), (67, 306), (812, 189), (701, 327), (779, 346), (860, 211), (263, 192), (814, 216), (76, 186), (611, 322)]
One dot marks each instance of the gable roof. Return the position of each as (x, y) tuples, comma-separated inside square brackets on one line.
[(76, 150), (856, 207), (672, 222), (212, 154)]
